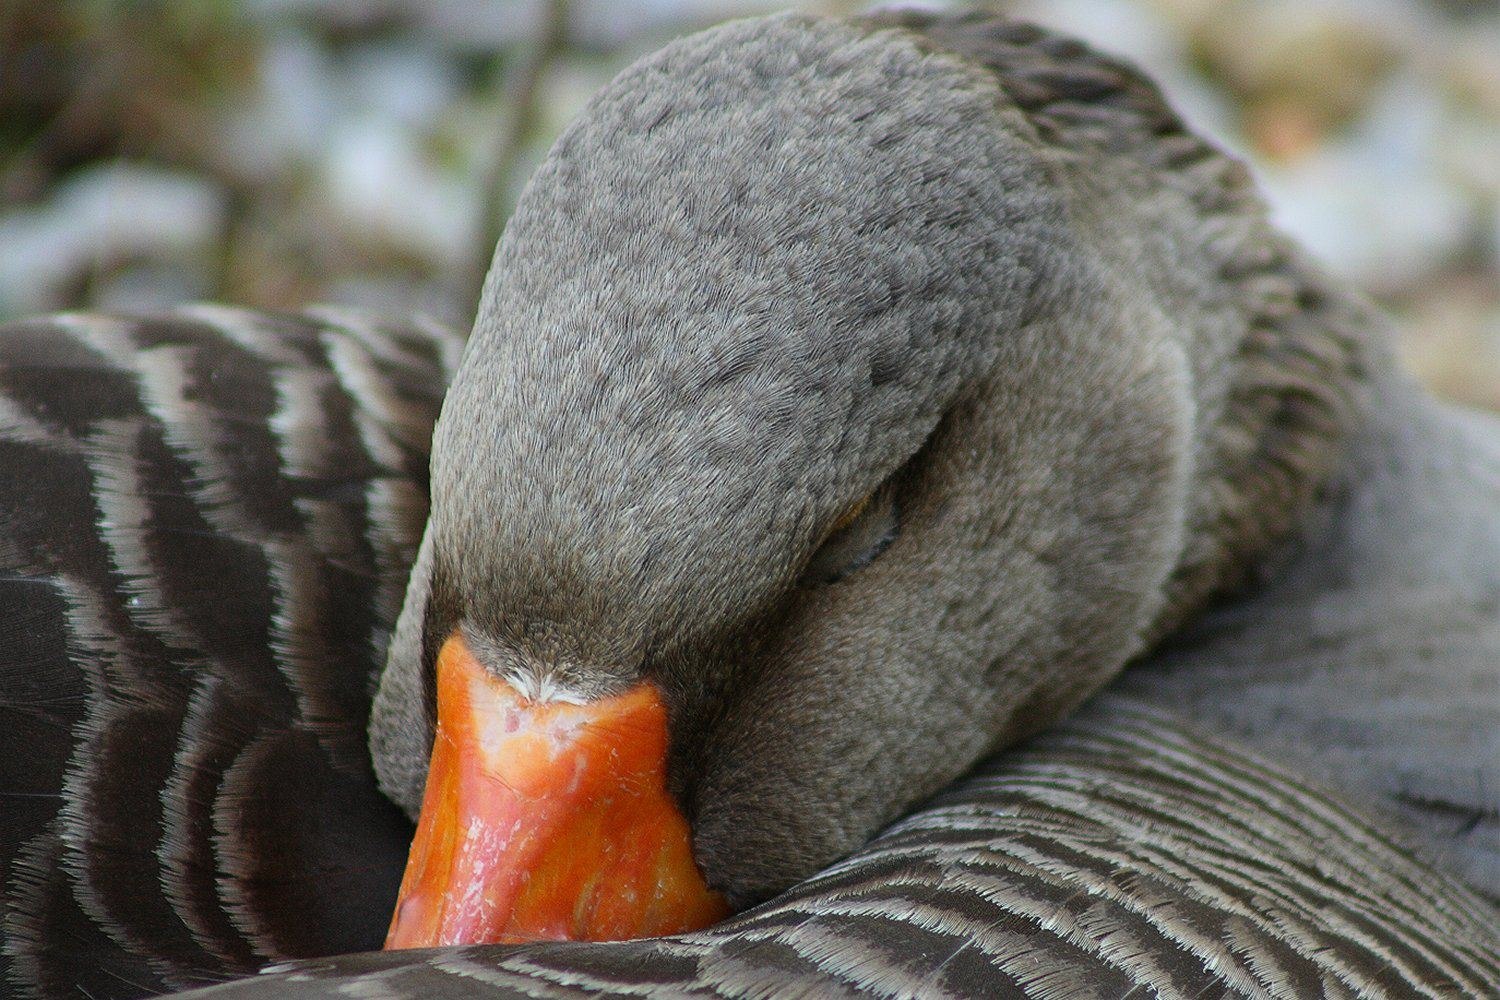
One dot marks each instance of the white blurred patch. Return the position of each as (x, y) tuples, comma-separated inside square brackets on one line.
[(1375, 204), (101, 216), (381, 186)]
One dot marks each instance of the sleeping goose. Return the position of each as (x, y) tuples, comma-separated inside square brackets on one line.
[(848, 399), (240, 823), (865, 395)]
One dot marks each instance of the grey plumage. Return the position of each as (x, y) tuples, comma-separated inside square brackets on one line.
[(772, 268), (785, 261), (1371, 660), (1124, 848)]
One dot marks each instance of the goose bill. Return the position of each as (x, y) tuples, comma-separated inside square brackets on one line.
[(546, 821)]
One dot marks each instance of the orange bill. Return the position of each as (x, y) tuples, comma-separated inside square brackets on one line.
[(546, 821)]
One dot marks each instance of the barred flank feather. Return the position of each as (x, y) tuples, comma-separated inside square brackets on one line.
[(1123, 855), (206, 520)]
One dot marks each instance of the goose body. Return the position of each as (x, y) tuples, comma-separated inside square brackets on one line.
[(1119, 852), (1126, 847), (1371, 656), (187, 795)]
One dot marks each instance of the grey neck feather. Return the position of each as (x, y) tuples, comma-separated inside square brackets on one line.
[(1280, 358), (1358, 518)]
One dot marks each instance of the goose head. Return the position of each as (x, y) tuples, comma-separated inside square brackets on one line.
[(814, 439)]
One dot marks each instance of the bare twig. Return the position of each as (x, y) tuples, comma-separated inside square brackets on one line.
[(523, 92)]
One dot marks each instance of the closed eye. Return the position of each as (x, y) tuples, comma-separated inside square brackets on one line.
[(856, 539)]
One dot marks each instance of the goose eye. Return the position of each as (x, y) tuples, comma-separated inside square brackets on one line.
[(856, 538)]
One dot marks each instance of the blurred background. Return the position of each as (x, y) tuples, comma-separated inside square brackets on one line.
[(277, 153)]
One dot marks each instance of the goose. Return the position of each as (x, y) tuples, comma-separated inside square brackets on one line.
[(849, 400), (240, 824)]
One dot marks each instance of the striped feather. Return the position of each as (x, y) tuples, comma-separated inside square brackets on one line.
[(208, 517), (1123, 854)]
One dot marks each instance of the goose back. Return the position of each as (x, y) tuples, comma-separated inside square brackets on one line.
[(1371, 658)]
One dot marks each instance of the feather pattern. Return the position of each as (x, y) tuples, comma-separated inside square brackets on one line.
[(208, 520), (1121, 855)]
